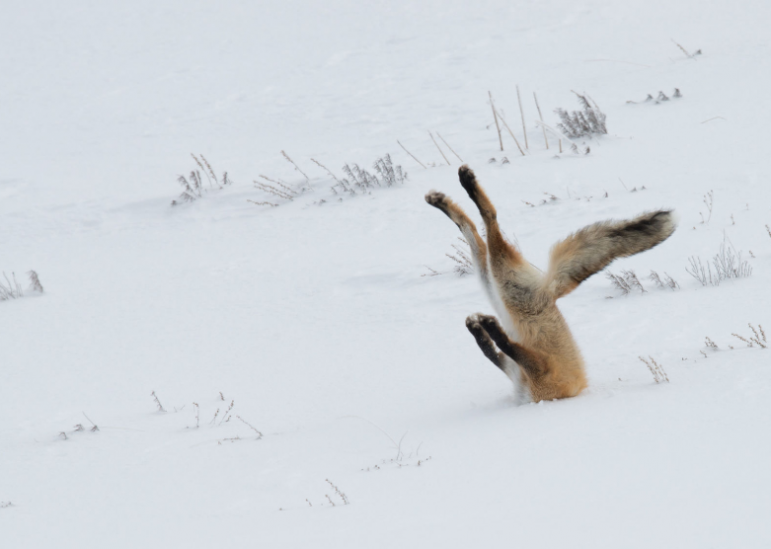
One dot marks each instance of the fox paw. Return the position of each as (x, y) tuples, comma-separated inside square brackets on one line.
[(437, 200), (468, 180)]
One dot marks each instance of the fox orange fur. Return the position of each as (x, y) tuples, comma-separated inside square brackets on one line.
[(545, 360)]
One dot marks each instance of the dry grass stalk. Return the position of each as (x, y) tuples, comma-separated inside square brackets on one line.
[(688, 55), (277, 188), (707, 199), (208, 166), (462, 259), (511, 133), (11, 289), (522, 115), (296, 167), (340, 494), (157, 402), (197, 415), (656, 369), (226, 416), (537, 106), (271, 204), (758, 339), (495, 117), (710, 344), (768, 230), (448, 146), (252, 427), (431, 272), (324, 167), (440, 150), (412, 155)]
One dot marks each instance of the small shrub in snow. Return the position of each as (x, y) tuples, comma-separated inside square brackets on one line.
[(657, 371), (710, 344), (728, 264), (758, 339), (668, 281), (463, 265), (194, 186), (590, 120), (626, 282), (359, 179), (11, 289)]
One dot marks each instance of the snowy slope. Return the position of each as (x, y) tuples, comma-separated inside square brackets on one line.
[(313, 318)]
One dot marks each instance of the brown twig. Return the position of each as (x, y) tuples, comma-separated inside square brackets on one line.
[(412, 155), (541, 117), (495, 116), (448, 146), (440, 150), (296, 167), (511, 133), (522, 114)]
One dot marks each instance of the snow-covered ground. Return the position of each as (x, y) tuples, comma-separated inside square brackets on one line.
[(313, 318)]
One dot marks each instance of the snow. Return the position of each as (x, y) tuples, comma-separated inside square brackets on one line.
[(315, 319)]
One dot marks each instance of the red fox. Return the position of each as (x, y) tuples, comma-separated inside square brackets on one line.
[(545, 359)]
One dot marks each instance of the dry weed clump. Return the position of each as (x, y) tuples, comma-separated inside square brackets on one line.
[(11, 289), (727, 262), (657, 371), (626, 282), (194, 187), (584, 123), (668, 281), (758, 338), (360, 181)]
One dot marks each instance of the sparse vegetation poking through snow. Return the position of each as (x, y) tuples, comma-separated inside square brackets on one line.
[(11, 289), (657, 371), (5, 504), (668, 281), (157, 402), (252, 427), (662, 97), (626, 282), (34, 282), (710, 344), (708, 203), (194, 186), (728, 264), (758, 338), (583, 123), (359, 179), (296, 167), (463, 265), (277, 188), (339, 493), (685, 51)]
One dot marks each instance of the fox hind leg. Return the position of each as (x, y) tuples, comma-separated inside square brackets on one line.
[(532, 362)]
